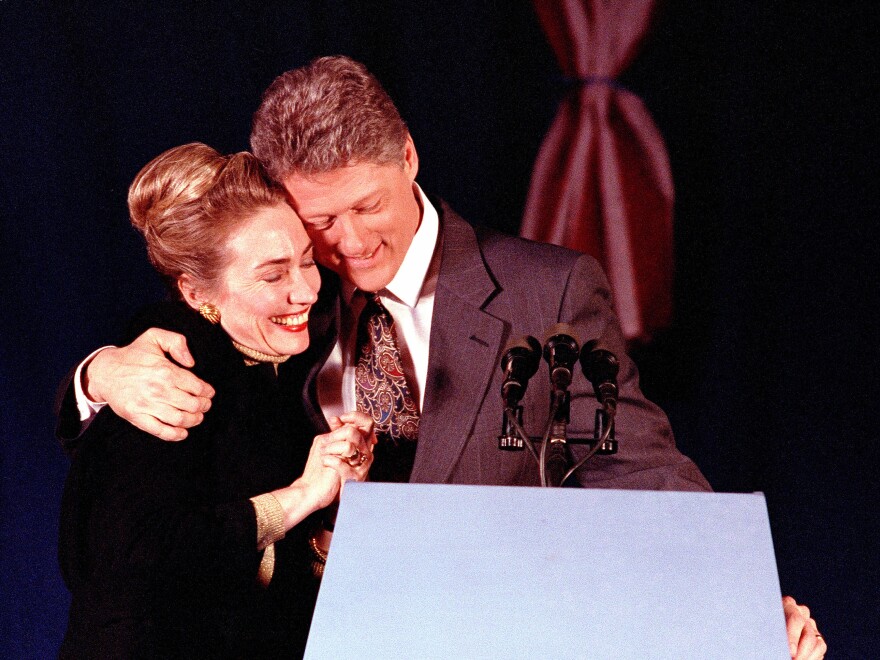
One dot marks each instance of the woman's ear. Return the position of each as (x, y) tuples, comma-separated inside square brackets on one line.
[(192, 293)]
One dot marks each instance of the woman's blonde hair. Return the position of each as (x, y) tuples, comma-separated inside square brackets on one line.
[(187, 201)]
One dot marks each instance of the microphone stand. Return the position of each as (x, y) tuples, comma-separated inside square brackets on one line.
[(603, 434), (513, 437), (554, 460)]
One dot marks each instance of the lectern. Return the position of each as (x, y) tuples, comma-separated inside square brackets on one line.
[(440, 571)]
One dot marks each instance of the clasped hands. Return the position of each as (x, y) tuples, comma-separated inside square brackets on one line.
[(343, 454)]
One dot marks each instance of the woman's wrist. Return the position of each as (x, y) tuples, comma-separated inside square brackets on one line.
[(297, 503)]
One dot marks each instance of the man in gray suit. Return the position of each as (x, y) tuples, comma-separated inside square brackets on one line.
[(331, 136)]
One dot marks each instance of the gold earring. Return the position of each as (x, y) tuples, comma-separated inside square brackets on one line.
[(210, 312)]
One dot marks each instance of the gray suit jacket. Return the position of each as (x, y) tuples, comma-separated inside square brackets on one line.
[(491, 288)]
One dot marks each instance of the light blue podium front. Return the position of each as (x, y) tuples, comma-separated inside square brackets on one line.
[(439, 571)]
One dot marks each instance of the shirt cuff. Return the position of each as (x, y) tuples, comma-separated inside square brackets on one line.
[(87, 408), (270, 520)]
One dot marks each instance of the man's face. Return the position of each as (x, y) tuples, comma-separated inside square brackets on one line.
[(361, 217)]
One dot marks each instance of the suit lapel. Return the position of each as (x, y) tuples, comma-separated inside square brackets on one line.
[(465, 343)]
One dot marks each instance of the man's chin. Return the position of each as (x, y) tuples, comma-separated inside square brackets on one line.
[(366, 280)]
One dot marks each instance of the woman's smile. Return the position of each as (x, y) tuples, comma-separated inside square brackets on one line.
[(292, 322)]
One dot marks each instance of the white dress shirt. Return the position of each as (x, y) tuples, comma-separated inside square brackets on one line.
[(409, 298), (87, 408)]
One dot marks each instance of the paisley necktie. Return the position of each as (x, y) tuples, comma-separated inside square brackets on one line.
[(381, 391)]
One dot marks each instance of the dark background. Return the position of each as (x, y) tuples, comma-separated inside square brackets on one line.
[(769, 375)]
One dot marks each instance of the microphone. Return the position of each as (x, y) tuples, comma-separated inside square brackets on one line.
[(561, 353), (600, 366), (519, 363)]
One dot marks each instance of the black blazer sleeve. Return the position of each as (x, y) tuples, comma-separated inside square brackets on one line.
[(133, 507), (137, 498), (69, 427)]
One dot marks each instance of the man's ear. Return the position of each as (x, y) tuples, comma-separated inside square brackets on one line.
[(410, 158), (192, 293)]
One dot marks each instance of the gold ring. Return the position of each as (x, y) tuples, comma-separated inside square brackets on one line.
[(357, 459), (819, 635)]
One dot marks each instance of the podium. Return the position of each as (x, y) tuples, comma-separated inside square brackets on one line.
[(440, 571)]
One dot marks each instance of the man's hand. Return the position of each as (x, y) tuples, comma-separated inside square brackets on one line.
[(804, 640), (144, 387)]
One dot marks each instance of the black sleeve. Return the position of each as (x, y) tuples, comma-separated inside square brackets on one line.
[(139, 510), (69, 428)]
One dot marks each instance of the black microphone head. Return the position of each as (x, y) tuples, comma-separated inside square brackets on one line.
[(519, 363), (561, 352), (560, 344), (598, 363), (525, 352), (601, 366)]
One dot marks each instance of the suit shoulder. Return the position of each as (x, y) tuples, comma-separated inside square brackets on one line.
[(506, 253), (512, 261)]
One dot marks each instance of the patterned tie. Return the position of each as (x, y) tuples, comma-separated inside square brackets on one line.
[(382, 392)]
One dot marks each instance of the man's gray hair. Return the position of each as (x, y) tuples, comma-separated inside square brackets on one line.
[(325, 115)]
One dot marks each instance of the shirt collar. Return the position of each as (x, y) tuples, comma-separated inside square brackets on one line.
[(407, 283)]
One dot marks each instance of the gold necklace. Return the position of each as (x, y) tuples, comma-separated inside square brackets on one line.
[(254, 357)]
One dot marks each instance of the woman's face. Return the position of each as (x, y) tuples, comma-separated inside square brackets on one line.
[(270, 284)]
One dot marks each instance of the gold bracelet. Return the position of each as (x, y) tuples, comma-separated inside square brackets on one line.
[(319, 559), (320, 554)]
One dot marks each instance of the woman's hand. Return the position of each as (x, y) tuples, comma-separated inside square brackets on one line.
[(319, 481), (346, 452), (317, 488), (350, 452)]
